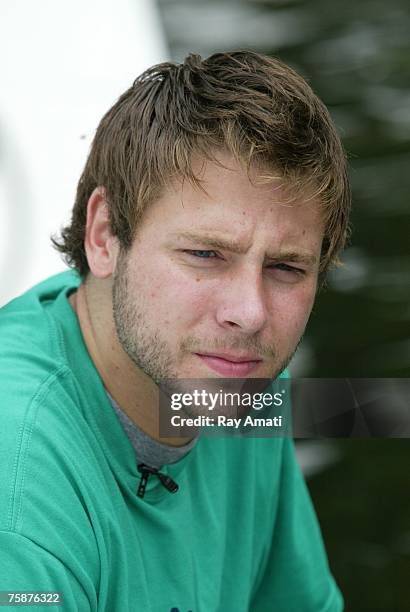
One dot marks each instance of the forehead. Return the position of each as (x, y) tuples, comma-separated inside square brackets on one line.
[(231, 201)]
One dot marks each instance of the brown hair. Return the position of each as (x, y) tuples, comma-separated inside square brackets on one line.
[(254, 106)]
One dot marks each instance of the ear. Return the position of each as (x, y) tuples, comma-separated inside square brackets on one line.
[(100, 244)]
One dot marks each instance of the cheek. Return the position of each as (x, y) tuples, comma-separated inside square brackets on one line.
[(290, 311), (177, 298)]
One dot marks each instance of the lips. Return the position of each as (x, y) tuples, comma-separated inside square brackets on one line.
[(230, 366)]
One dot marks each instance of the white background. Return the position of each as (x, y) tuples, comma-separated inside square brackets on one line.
[(63, 66)]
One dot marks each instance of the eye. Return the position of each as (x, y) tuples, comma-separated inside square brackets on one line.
[(202, 254), (286, 273), (287, 268)]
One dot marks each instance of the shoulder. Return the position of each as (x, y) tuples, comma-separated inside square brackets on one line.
[(44, 471), (32, 437), (30, 346), (46, 468), (39, 398)]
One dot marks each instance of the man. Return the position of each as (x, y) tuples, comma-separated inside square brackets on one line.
[(212, 203)]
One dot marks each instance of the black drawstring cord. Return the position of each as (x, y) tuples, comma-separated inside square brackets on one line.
[(166, 481)]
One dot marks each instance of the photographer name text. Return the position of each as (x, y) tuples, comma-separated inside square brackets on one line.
[(223, 421)]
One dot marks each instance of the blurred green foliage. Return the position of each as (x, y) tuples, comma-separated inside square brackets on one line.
[(357, 58), (356, 55), (363, 505)]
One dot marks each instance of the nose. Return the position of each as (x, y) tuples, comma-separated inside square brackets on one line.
[(242, 302)]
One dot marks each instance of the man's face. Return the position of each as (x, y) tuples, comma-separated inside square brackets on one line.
[(218, 284)]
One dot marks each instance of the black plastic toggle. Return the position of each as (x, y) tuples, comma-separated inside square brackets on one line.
[(146, 471)]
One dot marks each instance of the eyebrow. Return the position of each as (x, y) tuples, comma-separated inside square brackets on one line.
[(227, 244)]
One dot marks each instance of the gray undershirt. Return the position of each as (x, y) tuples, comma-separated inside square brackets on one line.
[(148, 450)]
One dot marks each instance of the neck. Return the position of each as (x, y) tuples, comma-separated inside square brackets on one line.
[(132, 389)]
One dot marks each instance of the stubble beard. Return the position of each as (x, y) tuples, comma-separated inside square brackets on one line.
[(149, 352), (143, 346)]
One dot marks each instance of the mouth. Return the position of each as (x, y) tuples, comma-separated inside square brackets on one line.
[(230, 366)]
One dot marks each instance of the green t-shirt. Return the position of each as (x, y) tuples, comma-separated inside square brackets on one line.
[(240, 534)]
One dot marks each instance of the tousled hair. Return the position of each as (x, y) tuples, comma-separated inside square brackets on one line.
[(254, 107)]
